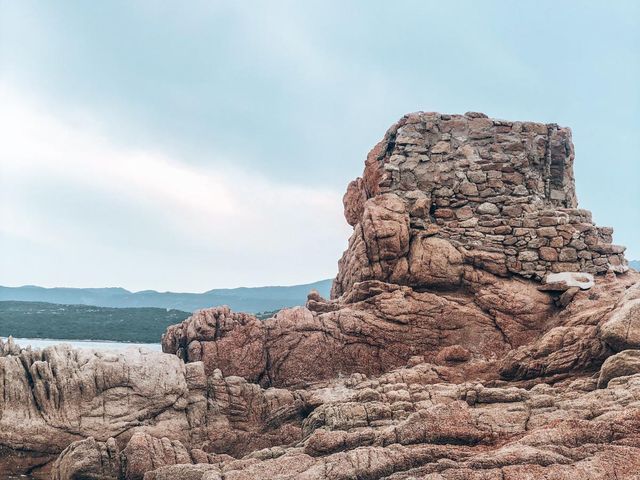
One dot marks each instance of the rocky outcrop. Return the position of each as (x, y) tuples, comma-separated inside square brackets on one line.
[(480, 327), (376, 327), (61, 396), (400, 426), (55, 396), (507, 329), (91, 460)]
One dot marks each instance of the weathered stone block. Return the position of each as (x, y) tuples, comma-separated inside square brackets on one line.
[(548, 253), (488, 209), (468, 188), (464, 213), (528, 256), (477, 176), (547, 232), (568, 255), (556, 242), (512, 210)]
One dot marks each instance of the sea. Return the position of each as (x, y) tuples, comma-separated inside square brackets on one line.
[(92, 344)]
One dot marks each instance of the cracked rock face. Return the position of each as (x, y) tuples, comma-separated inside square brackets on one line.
[(451, 349), (58, 395)]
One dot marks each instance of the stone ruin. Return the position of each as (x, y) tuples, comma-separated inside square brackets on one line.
[(501, 193)]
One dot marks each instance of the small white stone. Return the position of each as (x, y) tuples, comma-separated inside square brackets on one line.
[(572, 279)]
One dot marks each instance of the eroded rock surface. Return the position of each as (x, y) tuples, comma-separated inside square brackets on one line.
[(402, 426), (480, 327)]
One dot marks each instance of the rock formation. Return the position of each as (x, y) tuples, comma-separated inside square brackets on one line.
[(480, 327)]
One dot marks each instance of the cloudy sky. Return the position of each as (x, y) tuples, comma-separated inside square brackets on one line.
[(191, 145)]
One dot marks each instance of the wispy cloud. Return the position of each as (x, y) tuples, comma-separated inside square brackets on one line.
[(209, 144), (247, 218)]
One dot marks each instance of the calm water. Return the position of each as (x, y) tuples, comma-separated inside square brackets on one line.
[(94, 344)]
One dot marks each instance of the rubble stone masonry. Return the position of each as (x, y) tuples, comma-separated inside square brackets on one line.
[(501, 192)]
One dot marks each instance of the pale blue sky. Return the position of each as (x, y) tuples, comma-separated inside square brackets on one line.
[(192, 145)]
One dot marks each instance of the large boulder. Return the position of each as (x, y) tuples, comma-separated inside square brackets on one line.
[(144, 453), (434, 262), (622, 330), (619, 365), (88, 460)]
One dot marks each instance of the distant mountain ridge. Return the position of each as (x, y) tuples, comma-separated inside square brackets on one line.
[(244, 299), (635, 264)]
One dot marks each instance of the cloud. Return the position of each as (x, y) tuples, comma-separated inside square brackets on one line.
[(210, 145), (81, 199)]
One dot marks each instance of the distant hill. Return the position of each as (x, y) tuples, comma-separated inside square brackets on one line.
[(244, 299), (83, 322), (635, 264)]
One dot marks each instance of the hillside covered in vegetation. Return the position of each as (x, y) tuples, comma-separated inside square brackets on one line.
[(85, 322)]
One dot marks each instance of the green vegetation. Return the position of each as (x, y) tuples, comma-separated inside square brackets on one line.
[(265, 315), (83, 322)]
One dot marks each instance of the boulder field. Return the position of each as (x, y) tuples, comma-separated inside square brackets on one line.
[(480, 327)]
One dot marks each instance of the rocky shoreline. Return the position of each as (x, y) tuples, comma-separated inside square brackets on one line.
[(481, 327)]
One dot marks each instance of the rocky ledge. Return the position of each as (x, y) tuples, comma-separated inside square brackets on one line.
[(480, 327)]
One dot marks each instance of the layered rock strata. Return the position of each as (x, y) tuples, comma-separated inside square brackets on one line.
[(480, 327)]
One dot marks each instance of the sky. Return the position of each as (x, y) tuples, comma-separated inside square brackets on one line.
[(187, 146)]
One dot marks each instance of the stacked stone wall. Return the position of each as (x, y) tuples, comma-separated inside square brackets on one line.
[(503, 193)]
